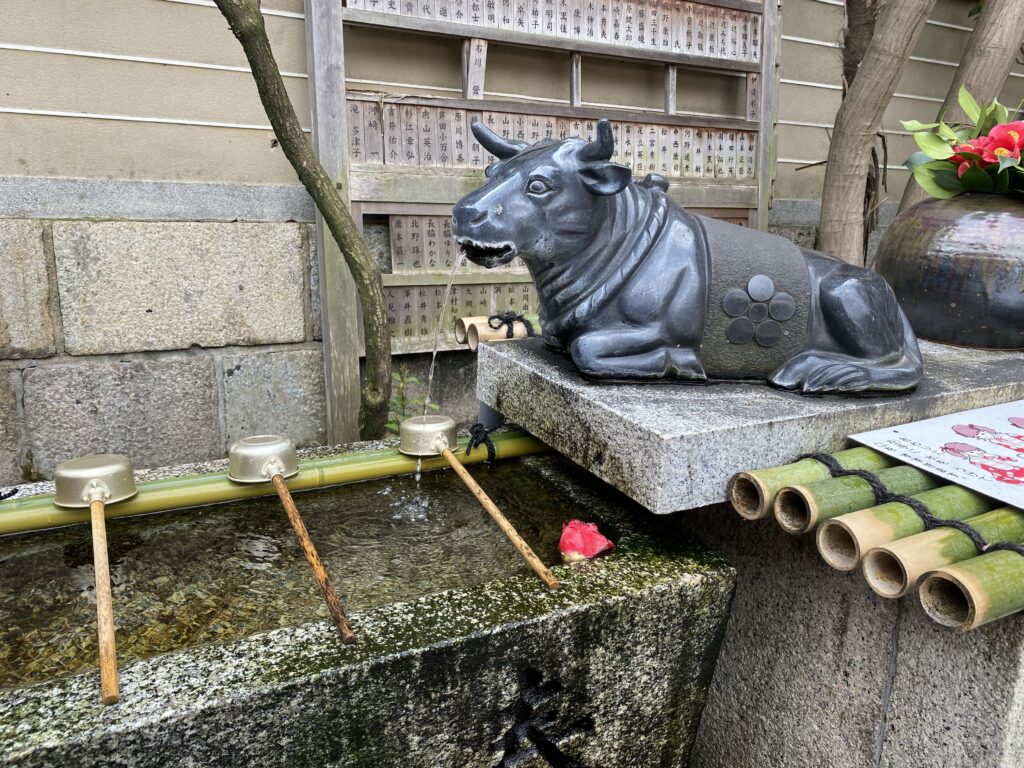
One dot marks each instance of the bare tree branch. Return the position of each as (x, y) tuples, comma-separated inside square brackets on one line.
[(246, 23)]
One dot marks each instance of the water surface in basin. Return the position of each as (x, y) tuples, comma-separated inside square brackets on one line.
[(220, 573)]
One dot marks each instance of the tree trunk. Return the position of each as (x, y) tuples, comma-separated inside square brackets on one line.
[(858, 29), (842, 200), (985, 66), (246, 22)]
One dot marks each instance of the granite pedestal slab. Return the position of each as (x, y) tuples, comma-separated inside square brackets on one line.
[(675, 446), (610, 670)]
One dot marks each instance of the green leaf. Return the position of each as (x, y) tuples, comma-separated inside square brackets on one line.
[(1001, 113), (968, 104), (975, 179), (1008, 162), (933, 146), (947, 179), (925, 179), (917, 159), (947, 133), (1002, 182), (914, 125)]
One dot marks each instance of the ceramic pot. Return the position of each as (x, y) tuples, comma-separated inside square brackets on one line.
[(957, 267)]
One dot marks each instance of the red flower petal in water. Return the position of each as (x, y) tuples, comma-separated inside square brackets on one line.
[(581, 541)]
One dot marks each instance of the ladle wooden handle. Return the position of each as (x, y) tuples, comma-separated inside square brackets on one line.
[(319, 573), (507, 528), (104, 605)]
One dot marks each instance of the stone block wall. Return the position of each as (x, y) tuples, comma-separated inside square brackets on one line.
[(165, 340)]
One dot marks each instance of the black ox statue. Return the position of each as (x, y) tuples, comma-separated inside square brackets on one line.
[(635, 288)]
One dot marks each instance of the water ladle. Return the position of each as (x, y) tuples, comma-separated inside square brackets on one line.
[(95, 481), (271, 458), (433, 435)]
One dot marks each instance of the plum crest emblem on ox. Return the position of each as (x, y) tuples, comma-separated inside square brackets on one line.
[(635, 288)]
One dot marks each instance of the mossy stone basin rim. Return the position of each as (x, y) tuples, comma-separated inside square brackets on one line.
[(957, 267)]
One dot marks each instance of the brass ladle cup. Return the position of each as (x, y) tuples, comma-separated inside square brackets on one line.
[(271, 459), (434, 435), (95, 481)]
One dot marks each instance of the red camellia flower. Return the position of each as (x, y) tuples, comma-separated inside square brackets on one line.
[(1010, 135), (975, 147), (581, 541)]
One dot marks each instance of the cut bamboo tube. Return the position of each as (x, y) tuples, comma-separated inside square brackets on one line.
[(975, 591), (753, 493), (800, 508), (313, 558), (33, 513), (477, 333), (462, 326), (842, 541), (892, 570), (104, 605), (507, 528)]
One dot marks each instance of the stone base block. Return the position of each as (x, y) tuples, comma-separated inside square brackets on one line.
[(675, 446)]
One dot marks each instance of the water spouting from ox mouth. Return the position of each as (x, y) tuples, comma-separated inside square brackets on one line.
[(442, 315)]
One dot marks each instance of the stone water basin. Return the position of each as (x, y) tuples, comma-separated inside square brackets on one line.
[(464, 659)]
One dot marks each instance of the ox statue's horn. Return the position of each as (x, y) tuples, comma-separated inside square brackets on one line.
[(501, 148), (602, 147)]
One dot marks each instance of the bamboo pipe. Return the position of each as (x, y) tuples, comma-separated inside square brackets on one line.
[(800, 508), (976, 591), (753, 493), (462, 326), (843, 541), (313, 558), (506, 527), (481, 332), (892, 570), (109, 692), (32, 513)]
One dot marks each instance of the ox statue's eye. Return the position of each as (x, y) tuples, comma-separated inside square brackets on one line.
[(537, 186)]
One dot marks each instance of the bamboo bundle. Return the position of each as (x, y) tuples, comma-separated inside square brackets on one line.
[(752, 493), (474, 330), (800, 508), (842, 541), (892, 570), (975, 591), (462, 326), (480, 332)]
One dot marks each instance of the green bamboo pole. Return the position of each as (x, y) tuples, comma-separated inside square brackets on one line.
[(976, 591), (842, 541), (800, 508), (32, 513), (892, 570), (753, 493)]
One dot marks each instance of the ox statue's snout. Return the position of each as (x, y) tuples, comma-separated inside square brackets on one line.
[(476, 234)]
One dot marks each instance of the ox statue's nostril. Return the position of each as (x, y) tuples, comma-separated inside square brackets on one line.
[(479, 219)]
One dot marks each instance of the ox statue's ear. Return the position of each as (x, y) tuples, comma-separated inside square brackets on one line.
[(606, 178), (501, 148)]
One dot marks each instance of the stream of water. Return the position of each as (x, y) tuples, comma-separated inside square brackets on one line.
[(438, 330)]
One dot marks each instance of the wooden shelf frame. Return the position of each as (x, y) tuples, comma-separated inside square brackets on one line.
[(381, 20)]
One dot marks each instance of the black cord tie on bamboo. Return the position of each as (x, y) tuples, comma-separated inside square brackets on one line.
[(884, 496), (4, 495), (509, 320), (481, 435)]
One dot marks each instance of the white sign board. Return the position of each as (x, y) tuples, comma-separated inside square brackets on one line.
[(982, 449)]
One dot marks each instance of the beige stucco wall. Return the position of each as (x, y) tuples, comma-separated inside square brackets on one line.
[(158, 89)]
